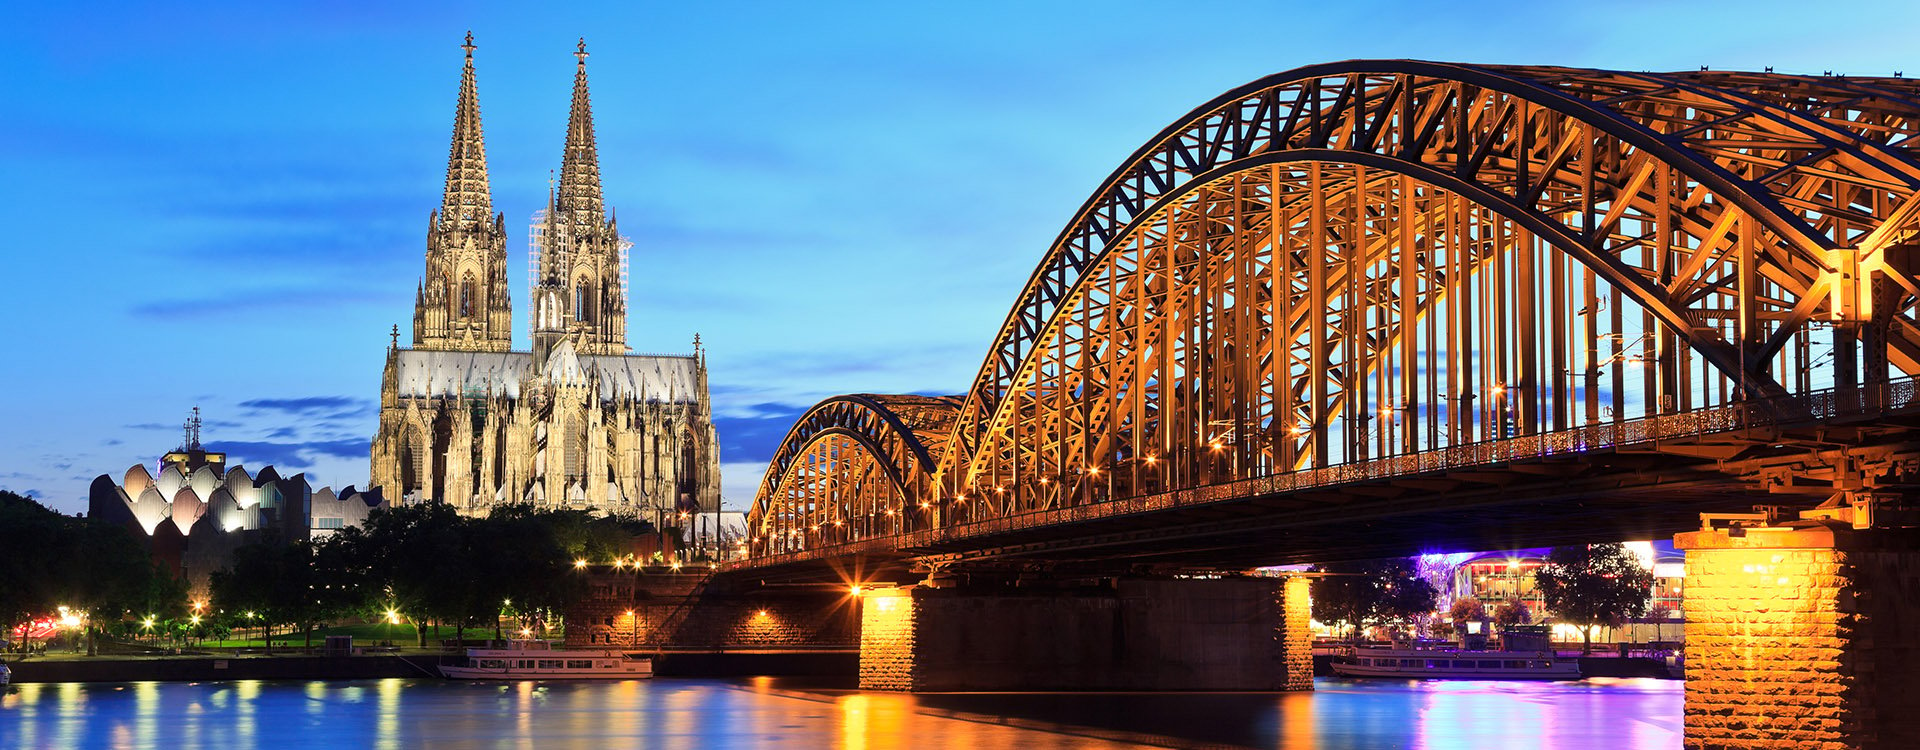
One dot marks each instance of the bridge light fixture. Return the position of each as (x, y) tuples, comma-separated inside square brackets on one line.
[(1000, 490), (925, 504), (1044, 480), (855, 589), (577, 564), (629, 613), (1152, 459), (838, 522), (1093, 469)]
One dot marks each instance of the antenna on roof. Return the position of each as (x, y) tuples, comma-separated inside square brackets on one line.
[(192, 429)]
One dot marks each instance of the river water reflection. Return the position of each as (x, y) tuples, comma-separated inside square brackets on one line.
[(675, 713)]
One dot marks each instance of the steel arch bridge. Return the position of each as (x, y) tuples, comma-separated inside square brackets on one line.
[(1378, 269)]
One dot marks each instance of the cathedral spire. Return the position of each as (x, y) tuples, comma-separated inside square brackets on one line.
[(579, 200), (469, 197)]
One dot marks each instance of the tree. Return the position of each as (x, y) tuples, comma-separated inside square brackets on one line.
[(1594, 584), (1511, 612), (1465, 609), (104, 572), (1659, 614), (1359, 593), (30, 546)]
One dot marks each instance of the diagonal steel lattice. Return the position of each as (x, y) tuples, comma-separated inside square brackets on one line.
[(1380, 266)]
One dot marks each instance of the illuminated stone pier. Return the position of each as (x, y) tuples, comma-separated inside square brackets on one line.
[(1802, 635), (1184, 634)]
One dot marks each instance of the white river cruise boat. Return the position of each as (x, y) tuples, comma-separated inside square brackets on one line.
[(539, 660), (1526, 654)]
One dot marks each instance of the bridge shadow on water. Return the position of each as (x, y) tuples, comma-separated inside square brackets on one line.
[(1337, 715)]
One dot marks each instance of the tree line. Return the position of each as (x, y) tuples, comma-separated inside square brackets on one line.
[(429, 566), (423, 564), (99, 571)]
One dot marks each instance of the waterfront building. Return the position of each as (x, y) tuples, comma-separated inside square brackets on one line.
[(195, 510), (1495, 577), (576, 422)]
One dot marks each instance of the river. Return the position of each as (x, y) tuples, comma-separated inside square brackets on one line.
[(762, 712)]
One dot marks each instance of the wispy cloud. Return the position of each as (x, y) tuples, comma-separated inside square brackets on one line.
[(290, 455)]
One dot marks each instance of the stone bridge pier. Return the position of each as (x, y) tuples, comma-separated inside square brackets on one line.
[(1123, 634), (1802, 634)]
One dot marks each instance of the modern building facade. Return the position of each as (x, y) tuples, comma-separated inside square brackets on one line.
[(578, 421), (196, 510)]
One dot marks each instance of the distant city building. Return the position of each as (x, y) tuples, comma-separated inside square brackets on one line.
[(577, 422), (195, 510)]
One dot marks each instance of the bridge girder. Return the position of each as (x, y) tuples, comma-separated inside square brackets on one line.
[(1332, 265)]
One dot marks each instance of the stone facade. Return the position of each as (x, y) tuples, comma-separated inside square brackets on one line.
[(1135, 635), (1802, 636), (667, 610), (577, 422), (1296, 634)]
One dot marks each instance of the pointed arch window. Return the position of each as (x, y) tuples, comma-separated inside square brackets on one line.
[(467, 296), (583, 301)]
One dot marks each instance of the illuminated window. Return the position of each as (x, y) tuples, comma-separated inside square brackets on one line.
[(466, 299)]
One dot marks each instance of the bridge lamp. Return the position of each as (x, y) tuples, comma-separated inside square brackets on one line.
[(855, 590), (579, 564), (675, 565), (1044, 480), (1151, 460), (1096, 469), (838, 522), (1000, 490), (925, 504)]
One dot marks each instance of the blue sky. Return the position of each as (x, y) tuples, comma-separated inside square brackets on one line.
[(225, 205)]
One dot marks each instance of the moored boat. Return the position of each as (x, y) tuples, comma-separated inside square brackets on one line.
[(1525, 654), (539, 660)]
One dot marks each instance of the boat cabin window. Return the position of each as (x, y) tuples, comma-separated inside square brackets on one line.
[(1514, 664), (492, 664), (1411, 662), (549, 664), (1489, 664), (579, 663), (1537, 664), (525, 663)]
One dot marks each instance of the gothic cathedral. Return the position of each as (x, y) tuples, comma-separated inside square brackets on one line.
[(576, 423)]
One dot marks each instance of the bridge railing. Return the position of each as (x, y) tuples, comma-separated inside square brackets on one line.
[(1799, 410)]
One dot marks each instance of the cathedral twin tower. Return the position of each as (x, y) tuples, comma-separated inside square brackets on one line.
[(577, 422)]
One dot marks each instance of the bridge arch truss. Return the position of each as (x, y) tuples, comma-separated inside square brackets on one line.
[(1372, 259)]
